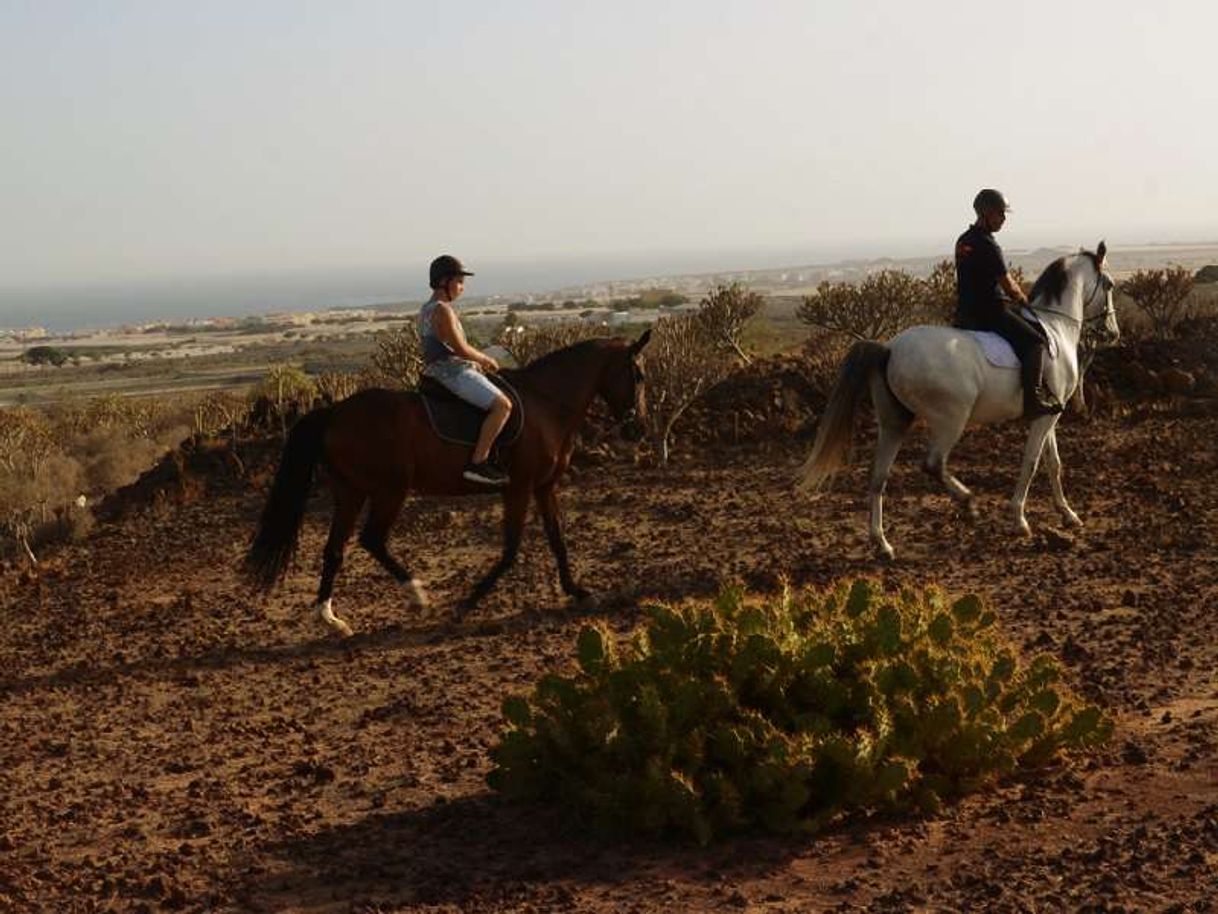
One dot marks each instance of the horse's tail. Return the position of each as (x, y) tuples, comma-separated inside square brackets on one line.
[(836, 426), (279, 527)]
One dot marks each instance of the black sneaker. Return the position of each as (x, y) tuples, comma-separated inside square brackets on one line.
[(486, 473)]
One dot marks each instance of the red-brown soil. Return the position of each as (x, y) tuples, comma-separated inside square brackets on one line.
[(169, 743)]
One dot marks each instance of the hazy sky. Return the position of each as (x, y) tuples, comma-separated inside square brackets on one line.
[(146, 138)]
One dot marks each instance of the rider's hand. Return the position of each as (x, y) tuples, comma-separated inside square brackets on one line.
[(489, 364)]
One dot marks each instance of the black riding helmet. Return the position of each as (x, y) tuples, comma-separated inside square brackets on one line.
[(444, 268), (989, 199)]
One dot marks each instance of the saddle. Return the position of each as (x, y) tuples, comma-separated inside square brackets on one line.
[(457, 422)]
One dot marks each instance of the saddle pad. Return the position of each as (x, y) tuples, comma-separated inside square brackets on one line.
[(998, 351), (458, 422)]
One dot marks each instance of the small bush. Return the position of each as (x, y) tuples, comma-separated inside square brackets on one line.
[(786, 714), (1162, 295), (44, 355)]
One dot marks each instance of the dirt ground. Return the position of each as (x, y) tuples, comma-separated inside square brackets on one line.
[(168, 743)]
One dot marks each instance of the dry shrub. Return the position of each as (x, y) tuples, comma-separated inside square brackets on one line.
[(527, 343), (725, 312), (887, 302), (220, 411), (682, 361), (30, 493), (333, 386), (824, 353), (109, 458), (1161, 295), (879, 306), (397, 360)]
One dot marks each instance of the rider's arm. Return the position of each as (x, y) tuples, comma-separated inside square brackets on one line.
[(444, 322), (1011, 288)]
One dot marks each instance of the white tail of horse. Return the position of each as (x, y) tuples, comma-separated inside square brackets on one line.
[(836, 427)]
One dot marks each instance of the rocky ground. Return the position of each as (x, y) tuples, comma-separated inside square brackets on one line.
[(170, 743)]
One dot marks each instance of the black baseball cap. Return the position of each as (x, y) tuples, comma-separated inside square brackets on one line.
[(444, 268)]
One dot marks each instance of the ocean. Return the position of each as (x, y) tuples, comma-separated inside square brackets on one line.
[(87, 306)]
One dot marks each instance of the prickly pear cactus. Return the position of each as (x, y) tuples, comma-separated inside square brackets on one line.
[(787, 713)]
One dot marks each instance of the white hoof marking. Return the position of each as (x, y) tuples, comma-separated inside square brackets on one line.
[(326, 612), (418, 596)]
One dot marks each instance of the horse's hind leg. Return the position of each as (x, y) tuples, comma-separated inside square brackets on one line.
[(894, 421), (1053, 463), (347, 504), (375, 537), (945, 431)]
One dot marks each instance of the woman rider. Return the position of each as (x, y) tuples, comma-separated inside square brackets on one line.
[(451, 360), (981, 281)]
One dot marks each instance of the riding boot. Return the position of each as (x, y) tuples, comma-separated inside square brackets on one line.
[(1038, 400)]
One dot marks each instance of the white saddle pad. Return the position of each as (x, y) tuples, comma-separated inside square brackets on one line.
[(998, 352)]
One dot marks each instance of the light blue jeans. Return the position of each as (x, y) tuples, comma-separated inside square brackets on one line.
[(463, 378)]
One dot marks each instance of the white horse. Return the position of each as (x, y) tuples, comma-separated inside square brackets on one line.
[(942, 375)]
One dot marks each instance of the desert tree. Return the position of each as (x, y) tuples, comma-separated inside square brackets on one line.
[(1162, 295), (725, 312), (682, 362)]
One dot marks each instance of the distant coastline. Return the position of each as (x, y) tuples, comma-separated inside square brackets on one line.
[(112, 304)]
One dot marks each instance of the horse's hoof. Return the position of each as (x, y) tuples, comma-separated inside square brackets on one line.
[(416, 594), (971, 510), (1070, 519), (885, 553), (326, 613)]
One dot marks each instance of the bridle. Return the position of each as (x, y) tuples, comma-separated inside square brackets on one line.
[(632, 413), (1085, 320)]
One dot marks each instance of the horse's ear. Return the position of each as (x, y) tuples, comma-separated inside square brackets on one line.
[(1101, 252), (637, 346)]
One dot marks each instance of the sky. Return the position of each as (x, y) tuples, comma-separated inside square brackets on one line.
[(154, 139)]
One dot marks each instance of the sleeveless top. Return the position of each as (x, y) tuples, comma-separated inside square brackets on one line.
[(434, 348)]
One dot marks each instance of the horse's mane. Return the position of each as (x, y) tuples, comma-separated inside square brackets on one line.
[(1052, 281), (558, 357)]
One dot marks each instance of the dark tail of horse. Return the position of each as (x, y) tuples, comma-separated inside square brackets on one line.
[(836, 426), (279, 527)]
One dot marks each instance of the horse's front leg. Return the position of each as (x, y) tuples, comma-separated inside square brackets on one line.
[(1053, 463), (515, 510), (547, 506), (1037, 433)]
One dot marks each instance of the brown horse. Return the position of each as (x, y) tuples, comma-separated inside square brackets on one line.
[(378, 445)]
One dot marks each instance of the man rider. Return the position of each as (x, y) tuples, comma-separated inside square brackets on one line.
[(987, 293)]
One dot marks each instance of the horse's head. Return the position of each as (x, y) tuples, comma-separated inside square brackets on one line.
[(1097, 302), (622, 387)]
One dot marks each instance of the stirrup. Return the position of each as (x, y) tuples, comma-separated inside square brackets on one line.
[(1040, 404)]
